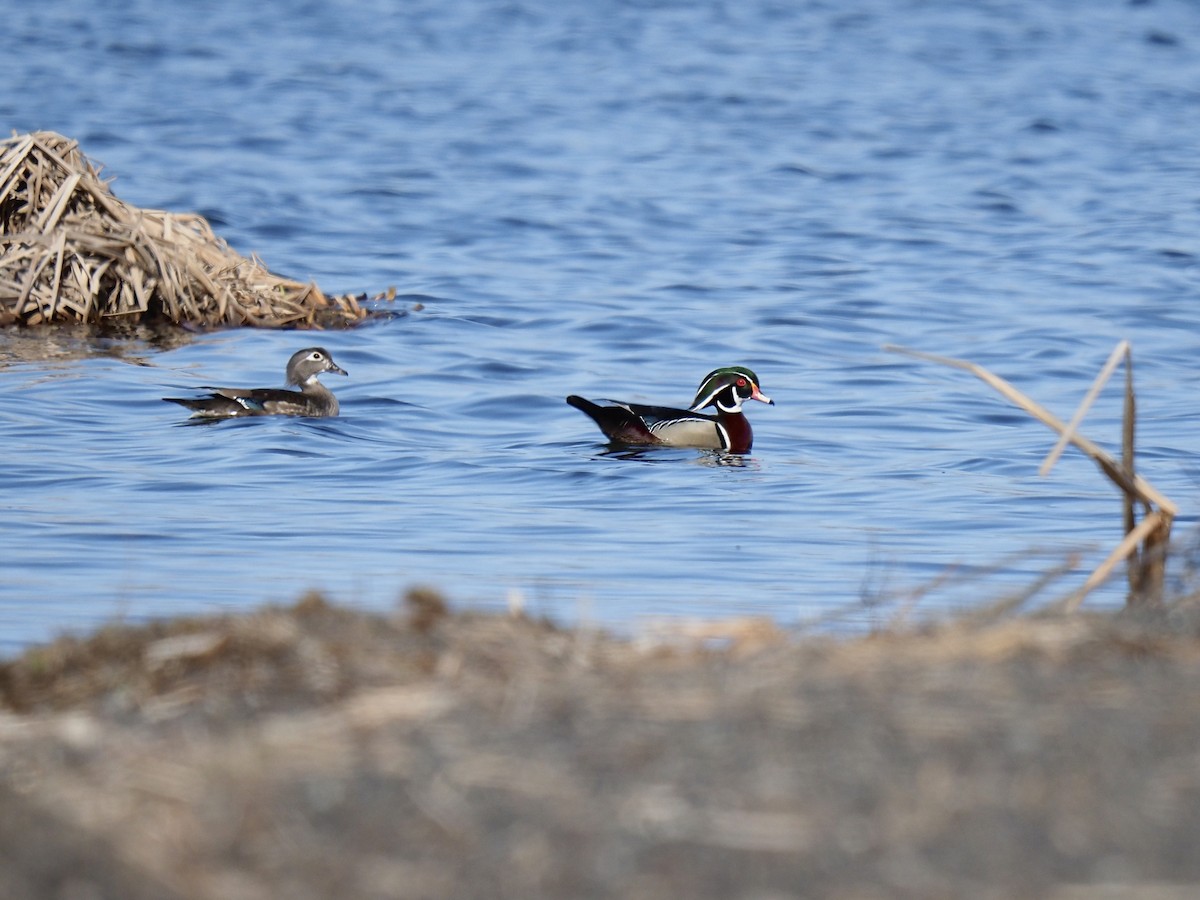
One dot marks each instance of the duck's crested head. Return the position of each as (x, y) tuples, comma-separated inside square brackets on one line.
[(305, 365), (727, 388)]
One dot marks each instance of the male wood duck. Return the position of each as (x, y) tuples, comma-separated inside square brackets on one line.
[(313, 398), (728, 430)]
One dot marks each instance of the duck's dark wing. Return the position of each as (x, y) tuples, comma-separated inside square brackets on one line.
[(657, 417), (212, 406), (226, 402), (636, 423), (277, 401), (619, 421)]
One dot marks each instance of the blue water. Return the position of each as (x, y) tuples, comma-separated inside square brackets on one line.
[(612, 198)]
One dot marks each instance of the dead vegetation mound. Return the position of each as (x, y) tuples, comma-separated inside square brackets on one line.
[(70, 251)]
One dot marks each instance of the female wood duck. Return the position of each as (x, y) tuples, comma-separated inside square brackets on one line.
[(728, 430), (313, 398)]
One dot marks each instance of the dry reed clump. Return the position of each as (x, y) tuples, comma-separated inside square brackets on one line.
[(1147, 541), (70, 251)]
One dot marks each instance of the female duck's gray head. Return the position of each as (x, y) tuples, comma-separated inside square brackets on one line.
[(305, 365), (727, 389)]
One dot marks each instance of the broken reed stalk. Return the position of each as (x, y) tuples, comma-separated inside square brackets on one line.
[(1128, 513), (1145, 544), (71, 251)]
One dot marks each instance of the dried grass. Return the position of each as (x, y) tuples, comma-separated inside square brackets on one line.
[(70, 251), (1146, 542)]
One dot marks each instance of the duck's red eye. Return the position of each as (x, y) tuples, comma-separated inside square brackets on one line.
[(741, 382)]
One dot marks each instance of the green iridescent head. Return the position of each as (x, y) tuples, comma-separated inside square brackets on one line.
[(727, 388)]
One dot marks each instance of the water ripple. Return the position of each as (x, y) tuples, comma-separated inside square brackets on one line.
[(612, 200)]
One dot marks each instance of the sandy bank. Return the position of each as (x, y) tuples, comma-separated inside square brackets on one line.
[(319, 752)]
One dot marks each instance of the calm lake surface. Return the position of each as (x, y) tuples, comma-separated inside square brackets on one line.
[(612, 198)]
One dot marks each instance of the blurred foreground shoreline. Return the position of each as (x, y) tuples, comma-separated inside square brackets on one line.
[(315, 751)]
